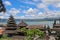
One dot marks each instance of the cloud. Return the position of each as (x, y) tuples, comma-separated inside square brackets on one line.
[(8, 3), (54, 14), (41, 5), (53, 2), (35, 13), (46, 12), (58, 5), (27, 2), (20, 17), (1, 17), (4, 15), (14, 11), (45, 3), (31, 11), (50, 1)]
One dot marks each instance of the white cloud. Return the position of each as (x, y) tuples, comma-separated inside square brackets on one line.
[(54, 14), (1, 13), (41, 15), (48, 13), (31, 11), (57, 5), (53, 2), (50, 1), (8, 3), (14, 11), (41, 5), (2, 17), (20, 17), (35, 14)]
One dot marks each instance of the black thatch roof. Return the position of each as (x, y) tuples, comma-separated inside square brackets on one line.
[(36, 26), (1, 25), (22, 23), (10, 31)]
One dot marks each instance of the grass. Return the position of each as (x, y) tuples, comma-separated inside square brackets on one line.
[(4, 37)]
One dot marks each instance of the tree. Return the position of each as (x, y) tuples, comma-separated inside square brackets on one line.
[(54, 23), (2, 8), (49, 31), (23, 29), (11, 22), (33, 34), (58, 36)]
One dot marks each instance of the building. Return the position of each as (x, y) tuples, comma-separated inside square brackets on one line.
[(41, 27), (13, 29), (55, 25), (22, 24), (11, 26)]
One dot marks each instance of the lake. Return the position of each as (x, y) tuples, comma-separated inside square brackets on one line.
[(50, 23)]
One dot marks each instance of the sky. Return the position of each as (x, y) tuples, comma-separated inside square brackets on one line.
[(31, 9)]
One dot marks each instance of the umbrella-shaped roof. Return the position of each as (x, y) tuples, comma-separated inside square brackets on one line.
[(22, 23)]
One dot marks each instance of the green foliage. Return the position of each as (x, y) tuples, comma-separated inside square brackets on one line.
[(32, 32), (23, 29), (4, 37), (29, 38)]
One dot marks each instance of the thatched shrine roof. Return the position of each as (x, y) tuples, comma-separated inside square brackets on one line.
[(22, 23), (36, 26)]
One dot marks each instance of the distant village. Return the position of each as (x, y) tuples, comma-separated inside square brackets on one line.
[(11, 28)]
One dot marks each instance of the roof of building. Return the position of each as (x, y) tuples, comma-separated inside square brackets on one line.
[(57, 25), (55, 29), (2, 25), (22, 23), (36, 26), (10, 31)]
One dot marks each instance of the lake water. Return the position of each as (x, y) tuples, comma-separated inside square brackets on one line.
[(50, 23)]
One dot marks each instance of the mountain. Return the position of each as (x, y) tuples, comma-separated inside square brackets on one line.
[(45, 19)]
